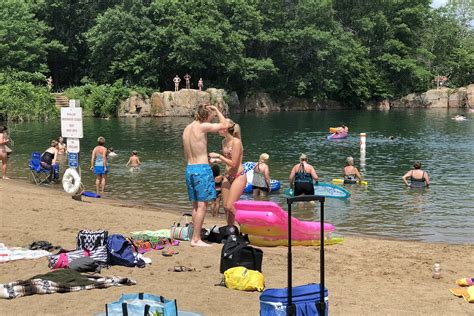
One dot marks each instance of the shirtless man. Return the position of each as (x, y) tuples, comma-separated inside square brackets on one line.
[(199, 177)]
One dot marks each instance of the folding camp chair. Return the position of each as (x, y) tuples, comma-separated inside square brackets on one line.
[(39, 174)]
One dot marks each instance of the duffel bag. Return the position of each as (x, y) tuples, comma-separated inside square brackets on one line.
[(236, 252)]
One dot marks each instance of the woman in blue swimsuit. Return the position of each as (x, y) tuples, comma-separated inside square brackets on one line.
[(99, 164)]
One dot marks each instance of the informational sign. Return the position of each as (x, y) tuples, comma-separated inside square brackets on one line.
[(71, 122), (73, 159), (73, 145)]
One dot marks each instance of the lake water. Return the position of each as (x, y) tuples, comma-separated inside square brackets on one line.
[(444, 212)]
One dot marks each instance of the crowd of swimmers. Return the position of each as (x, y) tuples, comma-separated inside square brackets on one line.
[(205, 183)]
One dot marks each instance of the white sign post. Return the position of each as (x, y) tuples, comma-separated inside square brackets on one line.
[(71, 128), (73, 145), (71, 122)]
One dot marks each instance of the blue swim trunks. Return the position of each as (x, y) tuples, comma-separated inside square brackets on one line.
[(100, 170), (200, 183)]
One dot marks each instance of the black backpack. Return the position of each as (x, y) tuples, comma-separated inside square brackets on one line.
[(236, 252)]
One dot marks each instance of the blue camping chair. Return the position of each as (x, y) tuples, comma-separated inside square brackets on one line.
[(39, 174)]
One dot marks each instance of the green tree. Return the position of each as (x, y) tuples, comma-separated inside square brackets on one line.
[(450, 38), (23, 43), (69, 20)]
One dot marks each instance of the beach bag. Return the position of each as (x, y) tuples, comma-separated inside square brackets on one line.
[(90, 240), (243, 279), (121, 252), (273, 302), (237, 252), (183, 229), (100, 255), (142, 304), (95, 242), (219, 234), (62, 260)]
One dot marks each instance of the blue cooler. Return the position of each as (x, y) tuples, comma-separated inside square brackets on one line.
[(303, 300), (273, 302)]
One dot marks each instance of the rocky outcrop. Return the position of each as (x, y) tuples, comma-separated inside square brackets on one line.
[(470, 96), (135, 105), (438, 98), (184, 102), (262, 102), (383, 105), (171, 103)]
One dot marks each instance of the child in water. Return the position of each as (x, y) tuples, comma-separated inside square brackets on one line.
[(134, 161), (215, 205), (111, 152)]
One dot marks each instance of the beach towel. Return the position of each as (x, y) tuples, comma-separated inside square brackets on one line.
[(60, 281), (466, 293), (17, 253), (151, 235)]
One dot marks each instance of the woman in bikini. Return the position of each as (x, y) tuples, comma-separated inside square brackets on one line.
[(3, 151), (418, 178), (235, 180)]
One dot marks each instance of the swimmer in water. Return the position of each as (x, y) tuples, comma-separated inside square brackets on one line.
[(134, 161), (111, 152)]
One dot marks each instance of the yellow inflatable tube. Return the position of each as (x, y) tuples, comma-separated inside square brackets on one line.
[(333, 129), (342, 181), (270, 242)]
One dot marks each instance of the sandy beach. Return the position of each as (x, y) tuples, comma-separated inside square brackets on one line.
[(365, 276)]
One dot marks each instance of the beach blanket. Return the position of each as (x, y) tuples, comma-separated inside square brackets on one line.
[(152, 235), (60, 281), (17, 253)]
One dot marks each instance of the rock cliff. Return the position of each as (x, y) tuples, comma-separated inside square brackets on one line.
[(436, 98), (171, 103), (263, 102), (183, 102)]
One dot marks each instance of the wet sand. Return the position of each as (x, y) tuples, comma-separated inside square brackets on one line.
[(365, 276)]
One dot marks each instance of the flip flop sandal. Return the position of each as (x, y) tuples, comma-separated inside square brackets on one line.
[(175, 242), (181, 269), (169, 252)]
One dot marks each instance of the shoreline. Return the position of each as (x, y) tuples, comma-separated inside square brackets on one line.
[(364, 275), (135, 204)]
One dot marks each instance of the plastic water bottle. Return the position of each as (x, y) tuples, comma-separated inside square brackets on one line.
[(437, 271)]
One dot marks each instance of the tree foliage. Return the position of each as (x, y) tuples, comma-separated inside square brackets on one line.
[(346, 50)]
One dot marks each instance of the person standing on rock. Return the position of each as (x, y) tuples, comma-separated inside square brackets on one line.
[(187, 78), (49, 83), (200, 84), (199, 177), (176, 81)]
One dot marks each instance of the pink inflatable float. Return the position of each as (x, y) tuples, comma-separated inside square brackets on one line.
[(267, 223)]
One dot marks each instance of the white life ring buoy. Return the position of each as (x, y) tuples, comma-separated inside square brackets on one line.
[(71, 181)]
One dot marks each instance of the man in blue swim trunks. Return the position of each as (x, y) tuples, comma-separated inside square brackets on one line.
[(199, 177)]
